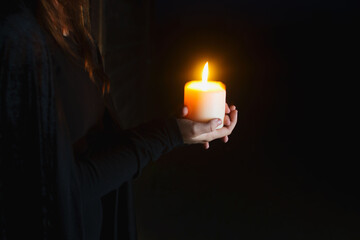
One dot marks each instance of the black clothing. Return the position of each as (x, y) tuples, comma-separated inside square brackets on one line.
[(62, 153)]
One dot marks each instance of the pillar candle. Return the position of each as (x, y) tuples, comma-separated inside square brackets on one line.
[(205, 99)]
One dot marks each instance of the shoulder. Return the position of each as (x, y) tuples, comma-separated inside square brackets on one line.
[(20, 34)]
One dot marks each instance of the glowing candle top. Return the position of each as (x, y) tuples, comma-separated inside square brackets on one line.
[(206, 85)]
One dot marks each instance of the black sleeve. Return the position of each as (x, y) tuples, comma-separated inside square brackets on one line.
[(24, 160), (115, 156)]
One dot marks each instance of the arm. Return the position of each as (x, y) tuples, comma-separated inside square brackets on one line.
[(116, 156)]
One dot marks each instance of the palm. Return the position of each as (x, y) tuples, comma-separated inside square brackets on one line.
[(195, 132)]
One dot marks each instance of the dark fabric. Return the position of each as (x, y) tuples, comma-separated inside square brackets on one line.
[(28, 131), (66, 166)]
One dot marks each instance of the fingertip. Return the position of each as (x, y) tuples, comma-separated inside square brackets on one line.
[(185, 111), (227, 109), (224, 139), (235, 115)]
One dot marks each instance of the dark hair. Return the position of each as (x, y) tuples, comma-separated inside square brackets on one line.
[(53, 14)]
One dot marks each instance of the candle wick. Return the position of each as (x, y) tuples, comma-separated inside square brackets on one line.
[(204, 86)]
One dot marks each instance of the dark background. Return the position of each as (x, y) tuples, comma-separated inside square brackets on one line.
[(289, 170)]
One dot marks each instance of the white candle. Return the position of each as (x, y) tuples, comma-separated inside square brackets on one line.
[(205, 99)]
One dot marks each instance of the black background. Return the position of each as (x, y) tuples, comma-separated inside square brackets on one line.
[(289, 170)]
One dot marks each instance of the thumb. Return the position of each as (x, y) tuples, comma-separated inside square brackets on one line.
[(182, 111), (201, 128), (185, 111)]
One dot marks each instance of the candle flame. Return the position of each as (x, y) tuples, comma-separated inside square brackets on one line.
[(205, 73)]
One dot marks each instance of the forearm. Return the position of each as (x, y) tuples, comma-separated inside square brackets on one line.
[(115, 158)]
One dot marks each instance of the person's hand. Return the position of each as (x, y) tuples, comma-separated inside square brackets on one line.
[(196, 132)]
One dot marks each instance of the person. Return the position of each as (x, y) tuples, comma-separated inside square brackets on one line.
[(65, 164)]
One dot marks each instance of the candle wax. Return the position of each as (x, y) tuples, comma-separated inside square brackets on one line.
[(205, 100)]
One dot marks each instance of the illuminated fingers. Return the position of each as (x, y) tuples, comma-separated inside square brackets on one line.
[(227, 109)]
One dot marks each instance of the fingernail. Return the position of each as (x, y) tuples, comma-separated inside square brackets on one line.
[(218, 121)]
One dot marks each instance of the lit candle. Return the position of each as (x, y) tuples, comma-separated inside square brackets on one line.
[(205, 99)]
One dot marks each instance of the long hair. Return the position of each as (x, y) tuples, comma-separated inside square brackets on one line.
[(55, 15)]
